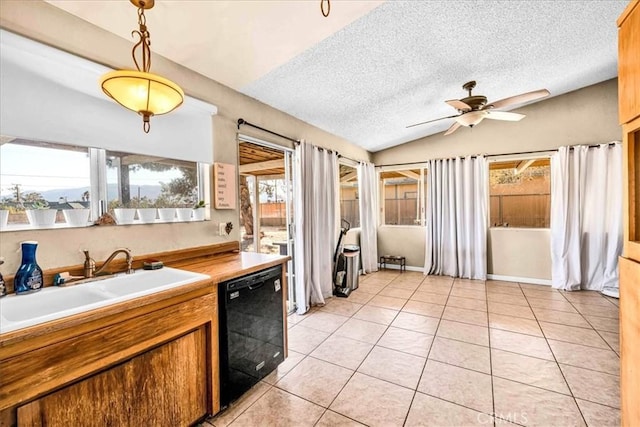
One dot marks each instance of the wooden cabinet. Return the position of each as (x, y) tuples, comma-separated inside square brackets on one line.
[(166, 386), (151, 361), (629, 344), (629, 102), (629, 63)]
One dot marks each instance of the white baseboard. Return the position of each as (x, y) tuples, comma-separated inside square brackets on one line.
[(397, 267), (530, 280)]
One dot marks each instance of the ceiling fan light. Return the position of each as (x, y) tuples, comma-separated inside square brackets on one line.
[(471, 119)]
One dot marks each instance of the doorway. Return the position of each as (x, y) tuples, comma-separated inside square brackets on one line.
[(266, 202)]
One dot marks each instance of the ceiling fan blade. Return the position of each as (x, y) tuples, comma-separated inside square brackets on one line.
[(518, 99), (429, 121), (452, 128), (504, 115), (459, 105)]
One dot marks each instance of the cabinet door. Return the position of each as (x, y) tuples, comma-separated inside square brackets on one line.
[(629, 341), (166, 386), (629, 63)]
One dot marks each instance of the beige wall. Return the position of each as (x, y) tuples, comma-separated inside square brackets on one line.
[(586, 116), (407, 241), (45, 23), (519, 252)]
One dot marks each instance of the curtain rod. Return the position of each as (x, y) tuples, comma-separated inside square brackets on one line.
[(545, 151), (496, 155), (244, 122)]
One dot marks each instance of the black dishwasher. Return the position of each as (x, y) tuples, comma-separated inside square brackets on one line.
[(251, 331)]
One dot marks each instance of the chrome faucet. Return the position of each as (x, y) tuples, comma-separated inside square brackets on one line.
[(90, 264)]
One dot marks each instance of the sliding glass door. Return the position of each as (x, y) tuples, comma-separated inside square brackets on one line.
[(266, 202)]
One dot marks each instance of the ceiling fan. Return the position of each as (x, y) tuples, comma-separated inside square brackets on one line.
[(474, 108)]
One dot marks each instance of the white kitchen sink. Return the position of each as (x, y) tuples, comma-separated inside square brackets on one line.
[(51, 303), (143, 282)]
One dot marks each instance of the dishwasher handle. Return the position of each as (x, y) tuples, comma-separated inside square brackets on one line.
[(257, 285), (254, 280)]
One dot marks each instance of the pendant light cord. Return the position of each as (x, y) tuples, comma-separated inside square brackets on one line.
[(144, 43)]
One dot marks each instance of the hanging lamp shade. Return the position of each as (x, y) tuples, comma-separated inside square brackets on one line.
[(144, 93), (141, 91)]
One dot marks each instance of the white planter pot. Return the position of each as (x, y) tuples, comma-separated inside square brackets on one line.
[(147, 215), (41, 217), (124, 215), (167, 214), (184, 214), (198, 214), (4, 217), (76, 217)]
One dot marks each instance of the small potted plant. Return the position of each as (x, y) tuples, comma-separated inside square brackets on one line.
[(147, 212), (76, 217), (199, 211), (167, 207), (123, 214), (184, 212), (40, 215), (4, 215)]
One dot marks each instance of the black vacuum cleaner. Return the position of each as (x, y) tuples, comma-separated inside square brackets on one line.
[(340, 288)]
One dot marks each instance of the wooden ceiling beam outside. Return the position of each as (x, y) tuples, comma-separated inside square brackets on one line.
[(348, 177), (250, 168)]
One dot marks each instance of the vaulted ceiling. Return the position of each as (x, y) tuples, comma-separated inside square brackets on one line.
[(372, 68)]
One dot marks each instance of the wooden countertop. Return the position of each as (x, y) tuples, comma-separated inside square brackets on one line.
[(227, 266)]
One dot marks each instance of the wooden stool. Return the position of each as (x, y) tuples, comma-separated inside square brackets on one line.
[(393, 259)]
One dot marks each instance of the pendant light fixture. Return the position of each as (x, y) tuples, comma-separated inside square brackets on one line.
[(141, 91)]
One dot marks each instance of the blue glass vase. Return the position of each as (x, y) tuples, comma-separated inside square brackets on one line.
[(29, 276)]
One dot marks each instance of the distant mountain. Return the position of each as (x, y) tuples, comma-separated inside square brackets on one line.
[(75, 194)]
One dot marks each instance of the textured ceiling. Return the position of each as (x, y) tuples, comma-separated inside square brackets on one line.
[(396, 65), (366, 76), (233, 42)]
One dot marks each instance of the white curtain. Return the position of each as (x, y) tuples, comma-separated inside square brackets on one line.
[(456, 241), (316, 222), (586, 217), (368, 187)]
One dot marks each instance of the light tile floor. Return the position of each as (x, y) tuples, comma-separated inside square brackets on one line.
[(405, 349)]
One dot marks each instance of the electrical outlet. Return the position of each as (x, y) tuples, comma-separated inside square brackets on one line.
[(221, 231)]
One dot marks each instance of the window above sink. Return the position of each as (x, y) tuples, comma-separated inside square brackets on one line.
[(51, 185)]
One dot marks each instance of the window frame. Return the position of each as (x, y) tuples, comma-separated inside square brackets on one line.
[(420, 190), (98, 186), (509, 158), (352, 164)]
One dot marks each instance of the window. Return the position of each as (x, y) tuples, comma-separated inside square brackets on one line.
[(51, 185), (349, 198), (403, 195), (520, 193), (40, 176), (136, 181)]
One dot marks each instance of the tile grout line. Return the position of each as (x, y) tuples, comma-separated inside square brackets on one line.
[(365, 357), (350, 377), (592, 327), (493, 395), (428, 354), (558, 364)]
